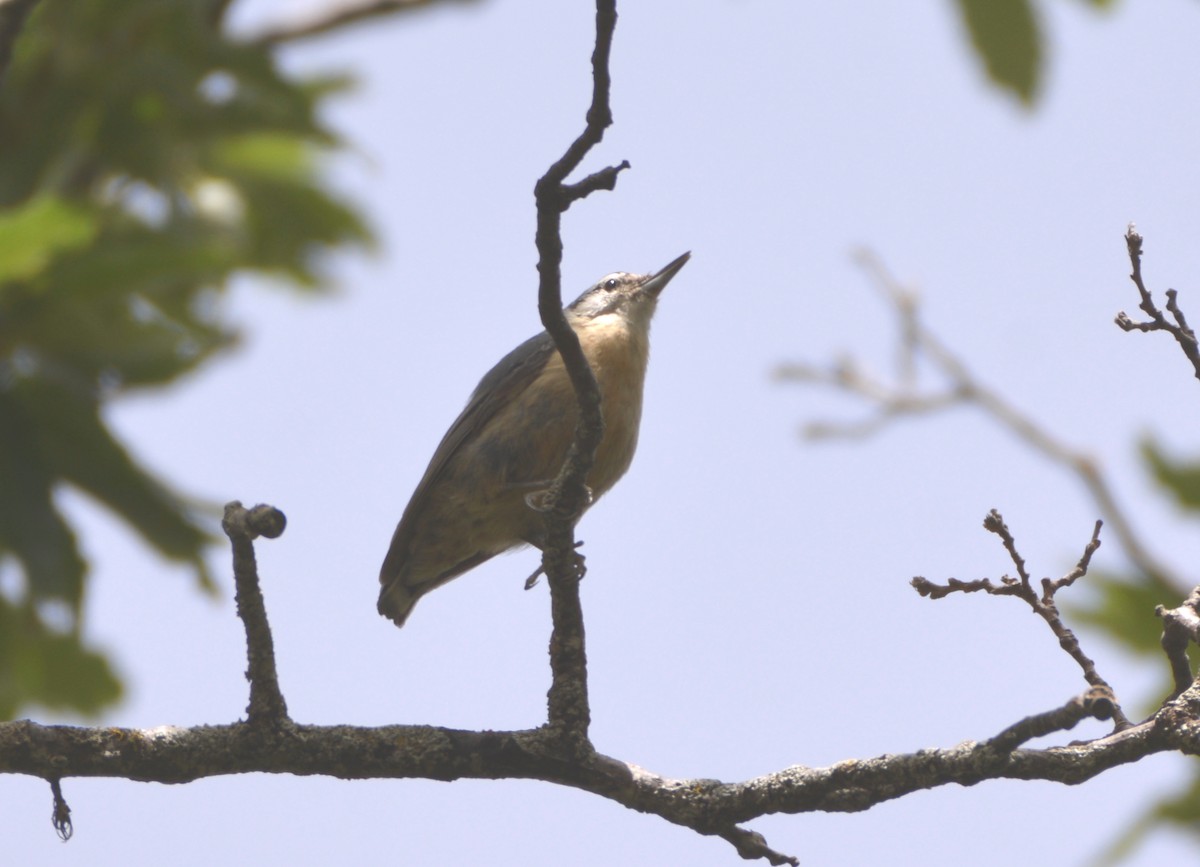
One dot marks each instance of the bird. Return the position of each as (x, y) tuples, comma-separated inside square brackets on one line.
[(477, 496)]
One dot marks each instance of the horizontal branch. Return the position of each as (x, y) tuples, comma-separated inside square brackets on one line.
[(179, 755)]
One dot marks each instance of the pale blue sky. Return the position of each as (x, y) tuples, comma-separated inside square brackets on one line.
[(747, 602)]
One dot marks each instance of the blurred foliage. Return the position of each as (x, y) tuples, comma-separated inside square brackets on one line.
[(1181, 480), (1121, 611), (1177, 811), (146, 158), (1122, 601), (1008, 38)]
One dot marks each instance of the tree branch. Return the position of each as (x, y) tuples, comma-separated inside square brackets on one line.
[(269, 742), (1180, 330), (568, 709), (179, 755), (1181, 626), (891, 401), (1043, 605), (1096, 703), (242, 526)]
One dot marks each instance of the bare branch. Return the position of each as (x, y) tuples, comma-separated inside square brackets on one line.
[(175, 755), (1044, 605), (1180, 330), (242, 526), (1181, 626), (892, 401), (751, 845), (1097, 703), (569, 712), (338, 17)]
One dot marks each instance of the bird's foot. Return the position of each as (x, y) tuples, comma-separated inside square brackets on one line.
[(580, 569), (543, 500)]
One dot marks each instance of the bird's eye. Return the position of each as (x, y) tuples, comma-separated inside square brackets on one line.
[(610, 284)]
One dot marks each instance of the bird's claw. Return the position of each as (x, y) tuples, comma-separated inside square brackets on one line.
[(580, 569), (543, 500)]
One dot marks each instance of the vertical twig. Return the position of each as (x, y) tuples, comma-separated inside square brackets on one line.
[(568, 709), (243, 526), (61, 815)]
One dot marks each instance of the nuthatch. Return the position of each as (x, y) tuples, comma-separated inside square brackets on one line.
[(512, 439)]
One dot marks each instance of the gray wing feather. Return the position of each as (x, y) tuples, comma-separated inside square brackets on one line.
[(511, 375)]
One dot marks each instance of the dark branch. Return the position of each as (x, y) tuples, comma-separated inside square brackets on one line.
[(605, 179), (751, 845), (339, 17), (12, 18), (1180, 329), (1181, 626), (1097, 703), (177, 755), (568, 708), (242, 526), (1043, 605), (60, 817)]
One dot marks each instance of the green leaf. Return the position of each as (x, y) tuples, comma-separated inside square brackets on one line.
[(1007, 38), (32, 233), (1179, 811), (1124, 611), (284, 158), (149, 158), (48, 668), (31, 528), (75, 445), (1182, 480)]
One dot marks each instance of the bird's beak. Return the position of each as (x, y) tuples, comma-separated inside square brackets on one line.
[(656, 283)]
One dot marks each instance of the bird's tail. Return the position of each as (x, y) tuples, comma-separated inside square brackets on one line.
[(396, 602)]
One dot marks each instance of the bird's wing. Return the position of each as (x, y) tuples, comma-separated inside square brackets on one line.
[(511, 375)]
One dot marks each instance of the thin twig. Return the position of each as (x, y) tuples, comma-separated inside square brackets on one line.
[(60, 817), (568, 707), (891, 402), (1096, 703), (1044, 605), (1180, 329), (751, 845), (242, 526)]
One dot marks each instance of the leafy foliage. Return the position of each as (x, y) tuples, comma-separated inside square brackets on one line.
[(1181, 480), (1007, 37), (147, 157), (1120, 612)]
